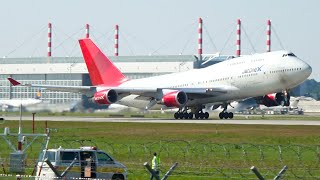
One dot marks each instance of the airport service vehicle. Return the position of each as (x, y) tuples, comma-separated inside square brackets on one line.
[(265, 76), (90, 162)]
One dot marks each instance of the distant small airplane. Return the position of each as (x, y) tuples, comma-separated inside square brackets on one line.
[(268, 75), (45, 106), (8, 103)]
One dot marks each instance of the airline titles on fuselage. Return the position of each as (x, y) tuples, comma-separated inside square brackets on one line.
[(246, 73), (251, 70)]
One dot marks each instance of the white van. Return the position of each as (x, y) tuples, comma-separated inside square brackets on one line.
[(89, 163)]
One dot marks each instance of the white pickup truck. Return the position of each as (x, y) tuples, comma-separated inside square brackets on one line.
[(85, 162)]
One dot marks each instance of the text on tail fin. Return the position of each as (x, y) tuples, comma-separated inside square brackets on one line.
[(101, 70)]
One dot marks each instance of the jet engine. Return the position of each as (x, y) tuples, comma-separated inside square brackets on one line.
[(274, 99), (108, 96), (175, 99)]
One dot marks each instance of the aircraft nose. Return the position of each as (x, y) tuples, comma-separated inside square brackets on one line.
[(306, 69)]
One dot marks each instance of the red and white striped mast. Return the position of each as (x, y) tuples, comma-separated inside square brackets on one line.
[(116, 41), (238, 43), (268, 35), (49, 39), (200, 40), (87, 30)]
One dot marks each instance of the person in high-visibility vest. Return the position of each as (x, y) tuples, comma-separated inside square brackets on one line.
[(155, 165)]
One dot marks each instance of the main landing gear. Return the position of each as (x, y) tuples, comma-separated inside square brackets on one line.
[(201, 115), (198, 114), (183, 115), (225, 114)]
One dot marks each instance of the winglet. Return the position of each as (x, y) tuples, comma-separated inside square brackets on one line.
[(13, 82)]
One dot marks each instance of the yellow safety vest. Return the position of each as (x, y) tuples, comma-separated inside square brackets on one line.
[(155, 163)]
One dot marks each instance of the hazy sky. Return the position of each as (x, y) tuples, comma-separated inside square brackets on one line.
[(161, 27)]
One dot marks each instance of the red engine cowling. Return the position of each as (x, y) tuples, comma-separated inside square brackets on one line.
[(105, 97), (274, 99), (175, 99)]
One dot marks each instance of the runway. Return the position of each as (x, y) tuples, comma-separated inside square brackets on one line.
[(157, 120)]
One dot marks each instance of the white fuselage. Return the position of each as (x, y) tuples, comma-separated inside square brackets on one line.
[(19, 102), (253, 75)]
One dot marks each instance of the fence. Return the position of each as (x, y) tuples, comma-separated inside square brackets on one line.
[(197, 160)]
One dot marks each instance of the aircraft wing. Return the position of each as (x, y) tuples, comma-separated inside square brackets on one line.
[(87, 90), (217, 90), (144, 93), (209, 91)]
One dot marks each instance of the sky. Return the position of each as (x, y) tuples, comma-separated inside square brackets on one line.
[(162, 27)]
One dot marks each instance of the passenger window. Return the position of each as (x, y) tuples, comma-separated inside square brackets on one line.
[(104, 158), (68, 157)]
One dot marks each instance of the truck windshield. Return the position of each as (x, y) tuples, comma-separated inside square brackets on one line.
[(103, 158)]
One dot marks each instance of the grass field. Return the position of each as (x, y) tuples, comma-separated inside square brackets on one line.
[(203, 151)]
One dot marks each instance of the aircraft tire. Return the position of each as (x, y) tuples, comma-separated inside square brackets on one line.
[(225, 115), (186, 115), (201, 115), (206, 115), (221, 115), (196, 116), (176, 115), (191, 115), (230, 114), (181, 115)]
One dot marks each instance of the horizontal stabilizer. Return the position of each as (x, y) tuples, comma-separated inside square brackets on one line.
[(13, 82)]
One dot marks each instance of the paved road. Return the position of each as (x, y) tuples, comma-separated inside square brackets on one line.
[(153, 120)]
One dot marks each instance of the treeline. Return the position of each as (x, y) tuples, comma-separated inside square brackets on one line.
[(310, 88)]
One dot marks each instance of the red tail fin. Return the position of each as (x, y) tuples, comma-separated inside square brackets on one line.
[(101, 70)]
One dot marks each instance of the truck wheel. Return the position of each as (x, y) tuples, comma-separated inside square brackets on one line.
[(117, 177)]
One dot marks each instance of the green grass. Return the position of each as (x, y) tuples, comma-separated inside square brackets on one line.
[(203, 151)]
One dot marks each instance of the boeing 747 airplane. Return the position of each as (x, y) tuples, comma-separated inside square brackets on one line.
[(265, 76)]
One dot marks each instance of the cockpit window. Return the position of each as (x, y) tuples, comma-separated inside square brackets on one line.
[(289, 54)]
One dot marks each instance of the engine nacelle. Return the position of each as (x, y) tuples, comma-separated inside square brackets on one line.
[(274, 99), (175, 99), (105, 97)]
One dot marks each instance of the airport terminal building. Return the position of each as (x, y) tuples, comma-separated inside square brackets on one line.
[(72, 71)]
